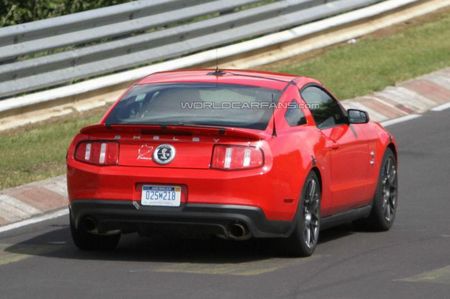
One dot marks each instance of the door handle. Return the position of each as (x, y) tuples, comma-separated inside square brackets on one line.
[(334, 146)]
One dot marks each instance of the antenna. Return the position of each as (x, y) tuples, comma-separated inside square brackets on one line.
[(274, 130), (217, 72), (217, 61)]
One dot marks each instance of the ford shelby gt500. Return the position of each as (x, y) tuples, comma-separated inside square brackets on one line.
[(229, 153)]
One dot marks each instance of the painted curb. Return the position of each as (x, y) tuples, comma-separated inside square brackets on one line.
[(30, 200), (414, 96)]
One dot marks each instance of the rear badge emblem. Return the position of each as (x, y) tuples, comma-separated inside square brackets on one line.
[(145, 152), (164, 154)]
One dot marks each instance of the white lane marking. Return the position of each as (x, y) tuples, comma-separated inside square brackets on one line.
[(400, 119), (13, 209), (441, 107), (34, 220), (440, 275), (245, 268)]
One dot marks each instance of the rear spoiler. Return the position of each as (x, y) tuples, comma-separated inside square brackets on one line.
[(177, 130)]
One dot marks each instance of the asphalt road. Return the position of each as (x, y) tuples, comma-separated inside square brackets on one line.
[(410, 261)]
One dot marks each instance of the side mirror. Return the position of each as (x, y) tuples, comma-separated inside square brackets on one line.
[(356, 116)]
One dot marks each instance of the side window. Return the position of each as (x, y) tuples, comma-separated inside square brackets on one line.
[(325, 110), (294, 115)]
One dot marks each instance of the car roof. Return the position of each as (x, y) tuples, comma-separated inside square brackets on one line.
[(226, 76)]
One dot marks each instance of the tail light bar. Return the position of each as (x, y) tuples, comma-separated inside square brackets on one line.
[(98, 152), (234, 157)]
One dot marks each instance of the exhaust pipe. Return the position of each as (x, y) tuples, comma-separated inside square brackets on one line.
[(239, 231), (89, 224)]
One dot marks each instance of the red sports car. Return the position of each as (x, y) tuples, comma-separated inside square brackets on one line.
[(230, 153)]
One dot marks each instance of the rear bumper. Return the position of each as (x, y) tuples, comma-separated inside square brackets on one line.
[(129, 216), (273, 189)]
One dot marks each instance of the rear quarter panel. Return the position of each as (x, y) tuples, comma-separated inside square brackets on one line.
[(295, 153)]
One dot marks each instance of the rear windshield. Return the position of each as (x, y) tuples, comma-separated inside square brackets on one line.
[(224, 105)]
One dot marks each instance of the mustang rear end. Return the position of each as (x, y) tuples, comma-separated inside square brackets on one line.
[(133, 179), (235, 154), (153, 166)]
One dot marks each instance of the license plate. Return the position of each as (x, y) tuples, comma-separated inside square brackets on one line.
[(165, 196)]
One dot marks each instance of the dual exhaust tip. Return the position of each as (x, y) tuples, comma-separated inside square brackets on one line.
[(89, 224), (236, 231)]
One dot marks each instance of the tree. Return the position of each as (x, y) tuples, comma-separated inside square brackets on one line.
[(21, 11)]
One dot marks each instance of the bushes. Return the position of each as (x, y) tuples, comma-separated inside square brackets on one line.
[(21, 11)]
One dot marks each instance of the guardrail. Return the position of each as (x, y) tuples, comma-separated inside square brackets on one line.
[(58, 51)]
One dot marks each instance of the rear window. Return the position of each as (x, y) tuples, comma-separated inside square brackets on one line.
[(224, 105)]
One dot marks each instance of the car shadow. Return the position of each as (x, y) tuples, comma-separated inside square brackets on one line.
[(58, 244)]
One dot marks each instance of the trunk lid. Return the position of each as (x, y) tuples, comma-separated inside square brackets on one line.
[(190, 146)]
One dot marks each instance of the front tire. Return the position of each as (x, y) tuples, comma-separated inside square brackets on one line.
[(92, 242), (304, 238), (385, 202)]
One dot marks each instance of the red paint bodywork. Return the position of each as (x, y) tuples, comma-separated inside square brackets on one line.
[(340, 154)]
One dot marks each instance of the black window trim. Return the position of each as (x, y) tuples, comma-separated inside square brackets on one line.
[(136, 85), (344, 112), (299, 109)]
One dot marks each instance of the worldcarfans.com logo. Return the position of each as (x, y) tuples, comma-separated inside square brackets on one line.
[(226, 105)]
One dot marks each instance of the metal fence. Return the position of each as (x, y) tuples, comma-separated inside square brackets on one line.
[(58, 51)]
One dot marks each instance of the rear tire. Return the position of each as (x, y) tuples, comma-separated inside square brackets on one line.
[(385, 202), (92, 242), (304, 238)]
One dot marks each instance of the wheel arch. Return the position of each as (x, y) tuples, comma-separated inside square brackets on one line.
[(393, 148), (319, 176)]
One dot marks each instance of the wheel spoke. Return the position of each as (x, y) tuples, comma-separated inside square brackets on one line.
[(388, 212), (392, 204), (315, 229), (385, 195), (392, 175), (312, 233), (316, 209), (393, 199), (387, 170), (308, 236), (312, 190)]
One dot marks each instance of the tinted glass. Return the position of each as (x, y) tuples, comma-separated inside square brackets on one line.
[(294, 115), (223, 105), (325, 110)]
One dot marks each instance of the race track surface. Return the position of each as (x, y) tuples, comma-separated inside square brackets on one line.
[(410, 261)]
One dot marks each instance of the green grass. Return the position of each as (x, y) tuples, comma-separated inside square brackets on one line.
[(378, 61), (37, 153), (348, 70)]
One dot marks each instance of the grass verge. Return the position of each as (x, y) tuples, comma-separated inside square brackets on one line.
[(376, 61), (38, 153), (381, 59)]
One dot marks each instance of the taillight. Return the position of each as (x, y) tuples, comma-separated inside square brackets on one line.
[(98, 152), (237, 157)]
